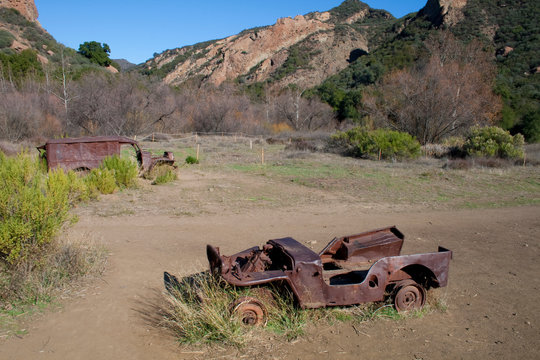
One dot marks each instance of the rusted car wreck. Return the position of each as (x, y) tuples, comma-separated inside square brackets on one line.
[(86, 153), (350, 270)]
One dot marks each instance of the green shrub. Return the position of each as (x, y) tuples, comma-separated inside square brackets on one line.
[(6, 39), (492, 141), (125, 171), (191, 160), (102, 181), (388, 144), (33, 206)]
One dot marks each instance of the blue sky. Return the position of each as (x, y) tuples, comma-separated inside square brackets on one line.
[(135, 29)]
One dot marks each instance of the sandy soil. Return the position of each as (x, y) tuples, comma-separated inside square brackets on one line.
[(493, 308)]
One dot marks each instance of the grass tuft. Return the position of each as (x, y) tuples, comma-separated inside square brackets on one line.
[(199, 311)]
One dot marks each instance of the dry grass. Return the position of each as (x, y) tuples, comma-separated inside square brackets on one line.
[(230, 172), (31, 285)]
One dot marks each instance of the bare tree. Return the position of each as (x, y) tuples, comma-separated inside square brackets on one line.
[(121, 105), (25, 114), (220, 110), (59, 85), (301, 113), (445, 96)]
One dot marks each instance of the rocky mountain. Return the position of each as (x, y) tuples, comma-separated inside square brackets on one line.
[(303, 50), (124, 64)]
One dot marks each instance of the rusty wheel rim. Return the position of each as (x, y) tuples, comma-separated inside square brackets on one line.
[(250, 311), (409, 297)]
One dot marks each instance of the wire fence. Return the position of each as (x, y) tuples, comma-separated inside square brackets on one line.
[(194, 140), (155, 136)]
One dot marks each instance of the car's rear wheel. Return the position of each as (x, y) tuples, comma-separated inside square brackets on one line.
[(409, 295)]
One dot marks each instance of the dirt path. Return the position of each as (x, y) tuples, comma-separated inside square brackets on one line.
[(493, 309)]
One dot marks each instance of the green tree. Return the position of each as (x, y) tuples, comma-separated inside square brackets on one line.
[(96, 52)]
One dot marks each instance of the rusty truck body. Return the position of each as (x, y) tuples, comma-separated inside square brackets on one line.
[(86, 153), (353, 269)]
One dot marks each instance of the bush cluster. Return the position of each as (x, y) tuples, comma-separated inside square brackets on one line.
[(383, 143), (492, 141), (33, 206)]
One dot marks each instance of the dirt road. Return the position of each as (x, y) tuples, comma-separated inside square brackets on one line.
[(493, 308)]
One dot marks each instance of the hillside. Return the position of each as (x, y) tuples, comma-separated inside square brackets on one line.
[(303, 50)]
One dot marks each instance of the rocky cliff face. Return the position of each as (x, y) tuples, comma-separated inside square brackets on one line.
[(27, 8), (322, 46), (448, 12)]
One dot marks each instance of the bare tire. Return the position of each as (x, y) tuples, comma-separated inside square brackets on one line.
[(409, 296), (250, 311)]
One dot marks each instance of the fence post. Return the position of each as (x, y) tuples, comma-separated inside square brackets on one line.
[(262, 156), (198, 145)]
